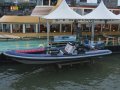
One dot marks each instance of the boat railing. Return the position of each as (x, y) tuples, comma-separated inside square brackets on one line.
[(112, 41)]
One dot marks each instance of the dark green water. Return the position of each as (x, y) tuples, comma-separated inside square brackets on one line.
[(103, 75)]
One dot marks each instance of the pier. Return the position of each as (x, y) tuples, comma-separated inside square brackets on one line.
[(97, 34)]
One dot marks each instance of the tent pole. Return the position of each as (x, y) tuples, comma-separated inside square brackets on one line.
[(60, 28), (110, 27), (49, 2), (48, 31), (92, 36), (42, 2), (36, 30), (71, 28), (11, 28), (118, 27), (39, 24), (101, 27), (89, 26), (23, 28), (2, 27)]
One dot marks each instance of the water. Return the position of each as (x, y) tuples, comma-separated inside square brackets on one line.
[(21, 44), (103, 75)]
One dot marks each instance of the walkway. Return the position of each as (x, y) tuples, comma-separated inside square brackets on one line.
[(36, 35)]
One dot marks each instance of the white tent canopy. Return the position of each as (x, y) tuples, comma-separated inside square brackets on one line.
[(101, 13), (63, 12)]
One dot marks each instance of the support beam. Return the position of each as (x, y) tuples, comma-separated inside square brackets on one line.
[(110, 27), (101, 27), (49, 2), (48, 31), (42, 2), (11, 28), (23, 28), (82, 11), (2, 27), (39, 25), (36, 30), (60, 28), (93, 26), (71, 28), (39, 2), (118, 27)]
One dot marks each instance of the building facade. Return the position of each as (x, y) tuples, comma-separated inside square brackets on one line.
[(25, 7), (45, 6)]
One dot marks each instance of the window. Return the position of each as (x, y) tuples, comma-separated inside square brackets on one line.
[(86, 11), (118, 2), (71, 2), (79, 11), (92, 1), (39, 2), (53, 2), (45, 2), (116, 12)]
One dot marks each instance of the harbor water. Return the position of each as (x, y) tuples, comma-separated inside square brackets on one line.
[(104, 74), (21, 44)]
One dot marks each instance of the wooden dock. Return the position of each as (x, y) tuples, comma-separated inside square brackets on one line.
[(22, 35)]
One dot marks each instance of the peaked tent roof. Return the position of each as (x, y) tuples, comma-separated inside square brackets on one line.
[(63, 11), (101, 12)]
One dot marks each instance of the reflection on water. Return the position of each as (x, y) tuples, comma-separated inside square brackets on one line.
[(103, 75)]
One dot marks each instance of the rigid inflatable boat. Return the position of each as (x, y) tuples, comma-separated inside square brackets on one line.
[(50, 55)]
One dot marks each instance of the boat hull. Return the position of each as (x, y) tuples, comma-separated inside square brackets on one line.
[(114, 49), (50, 59)]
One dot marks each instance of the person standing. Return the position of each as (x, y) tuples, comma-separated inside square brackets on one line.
[(78, 31)]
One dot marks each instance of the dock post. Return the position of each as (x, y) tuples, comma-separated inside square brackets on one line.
[(59, 66), (113, 41), (107, 39), (23, 28), (92, 61), (11, 28), (119, 40)]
